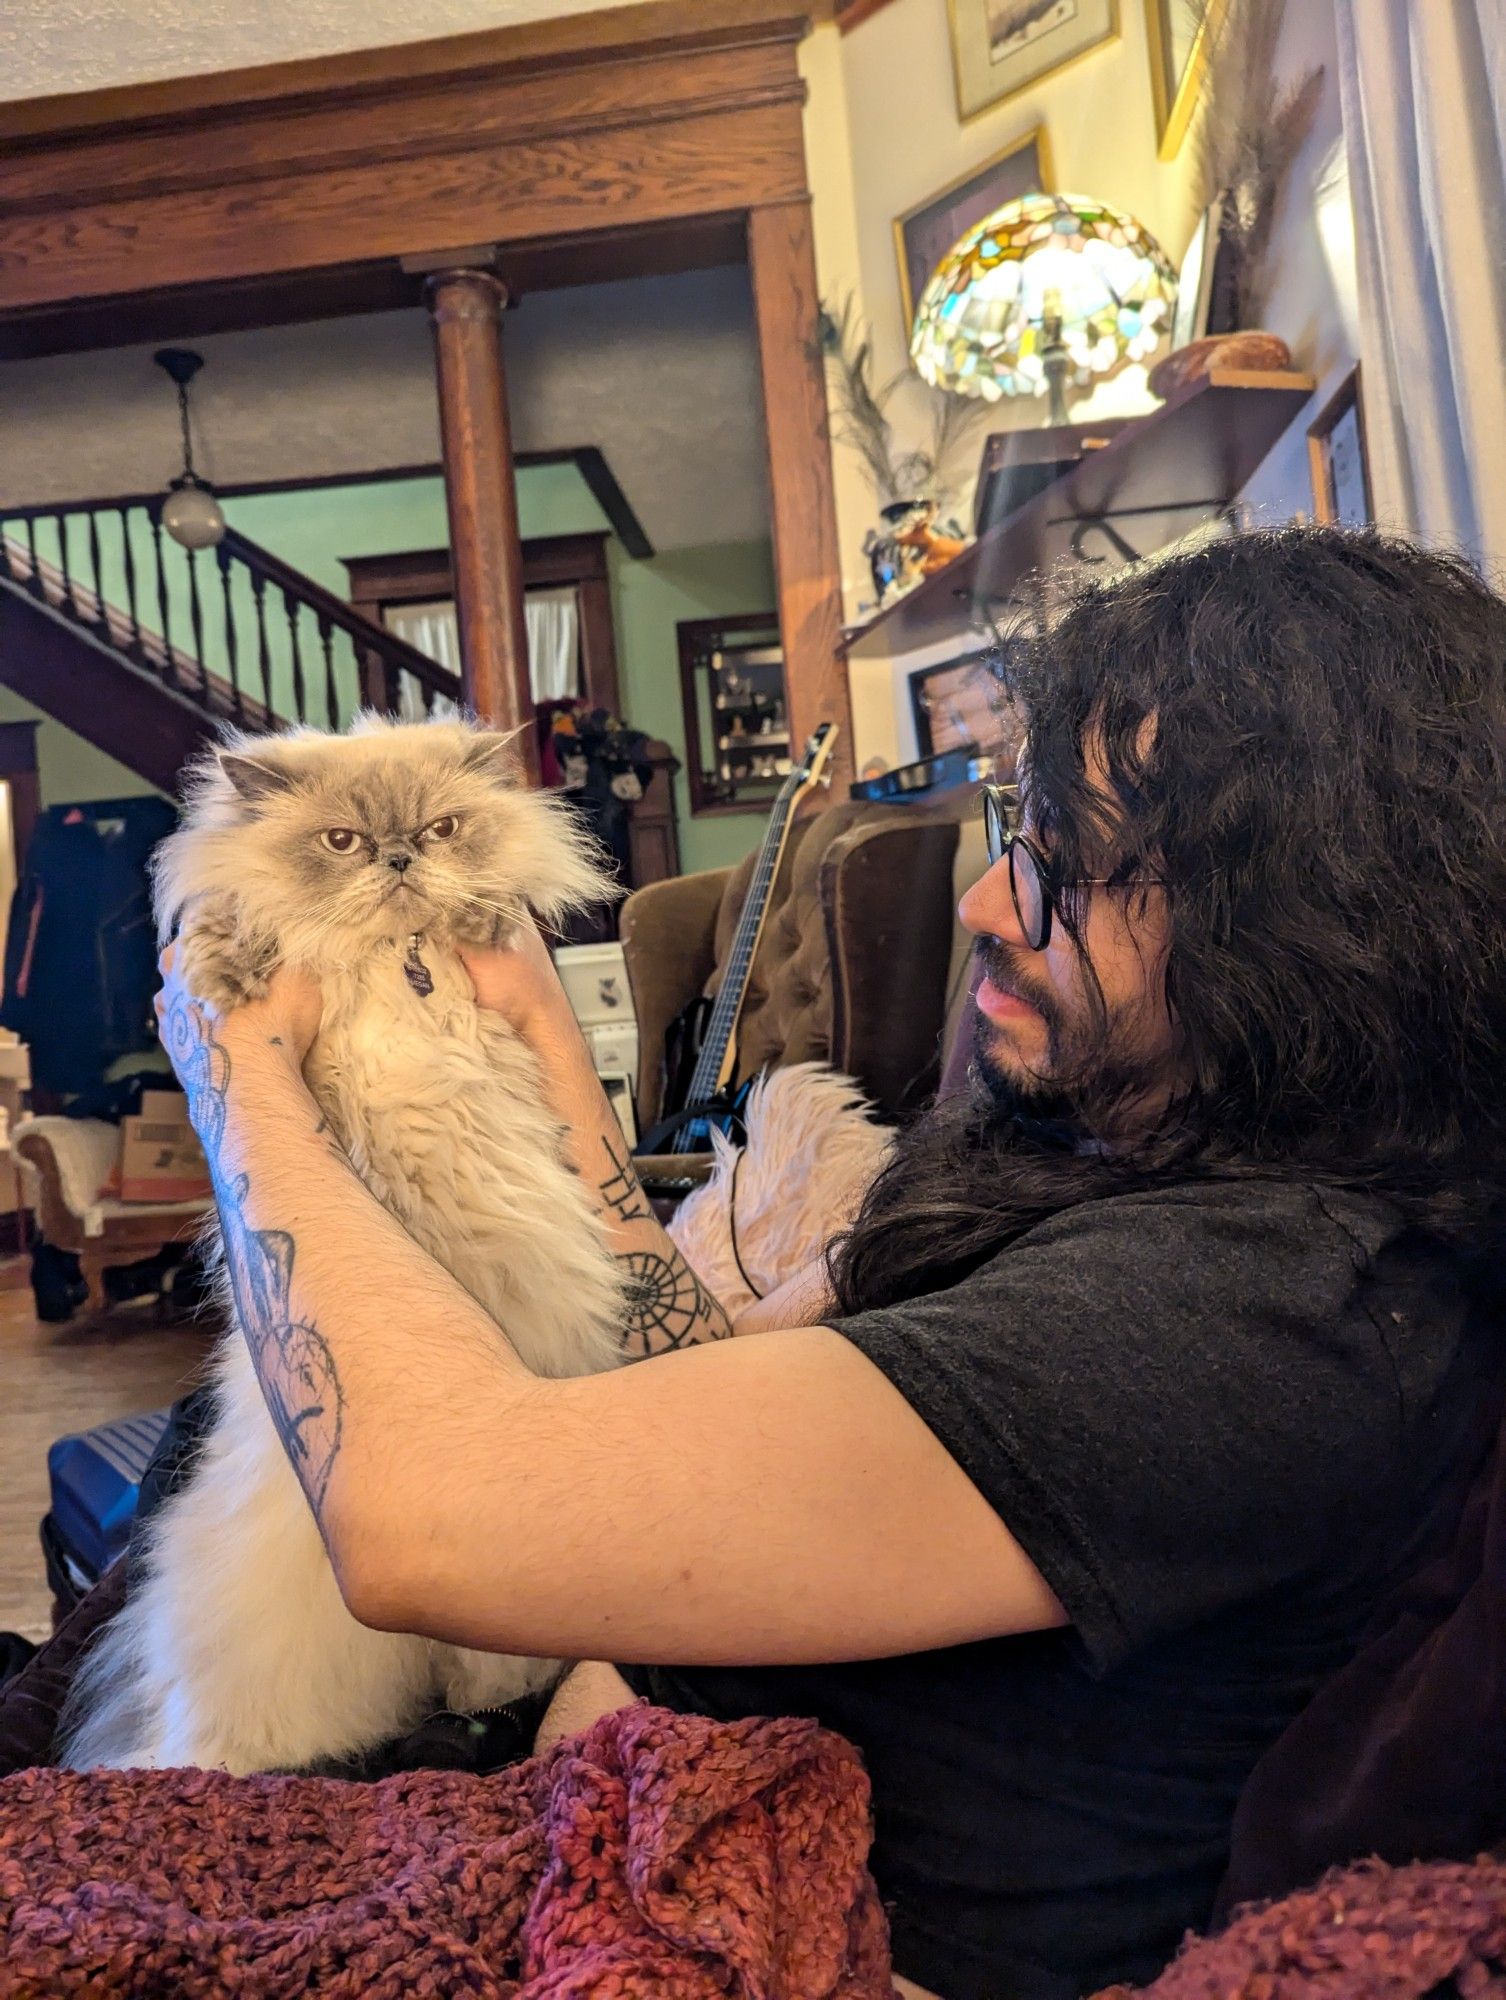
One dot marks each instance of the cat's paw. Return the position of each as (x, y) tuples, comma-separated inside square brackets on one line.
[(216, 963), (487, 930)]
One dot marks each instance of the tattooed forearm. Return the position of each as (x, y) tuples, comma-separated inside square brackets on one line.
[(667, 1305), (621, 1192), (292, 1359)]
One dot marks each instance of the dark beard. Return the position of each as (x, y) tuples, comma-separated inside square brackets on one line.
[(1085, 1079)]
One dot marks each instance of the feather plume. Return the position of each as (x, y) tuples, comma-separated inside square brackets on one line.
[(1249, 132)]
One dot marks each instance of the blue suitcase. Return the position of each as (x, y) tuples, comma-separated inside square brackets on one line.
[(95, 1478)]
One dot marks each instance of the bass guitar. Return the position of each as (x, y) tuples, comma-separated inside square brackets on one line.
[(701, 1091)]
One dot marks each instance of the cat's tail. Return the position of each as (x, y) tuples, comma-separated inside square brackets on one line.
[(109, 1717)]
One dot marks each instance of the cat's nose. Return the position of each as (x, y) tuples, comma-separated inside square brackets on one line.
[(399, 861)]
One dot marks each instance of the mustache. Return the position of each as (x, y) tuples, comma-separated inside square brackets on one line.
[(1001, 963)]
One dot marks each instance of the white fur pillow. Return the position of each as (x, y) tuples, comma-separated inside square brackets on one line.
[(812, 1151)]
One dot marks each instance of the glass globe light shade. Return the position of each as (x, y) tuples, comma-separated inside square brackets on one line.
[(192, 515), (982, 323)]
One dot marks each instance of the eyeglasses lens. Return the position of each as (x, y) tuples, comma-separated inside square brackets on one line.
[(1029, 894)]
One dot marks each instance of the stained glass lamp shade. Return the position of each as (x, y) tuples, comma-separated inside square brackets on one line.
[(1048, 290)]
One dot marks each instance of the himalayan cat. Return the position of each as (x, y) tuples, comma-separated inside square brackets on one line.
[(366, 858)]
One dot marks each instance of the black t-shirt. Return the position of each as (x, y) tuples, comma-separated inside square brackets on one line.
[(1220, 1420)]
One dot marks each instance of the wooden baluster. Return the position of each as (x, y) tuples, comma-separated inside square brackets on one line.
[(374, 682), (264, 665), (34, 581), (169, 670), (292, 607), (196, 618), (331, 698), (70, 590), (130, 578), (101, 617), (232, 650)]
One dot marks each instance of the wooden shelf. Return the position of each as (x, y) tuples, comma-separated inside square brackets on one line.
[(1159, 478)]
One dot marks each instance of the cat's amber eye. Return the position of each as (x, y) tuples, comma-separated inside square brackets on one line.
[(339, 839), (442, 829)]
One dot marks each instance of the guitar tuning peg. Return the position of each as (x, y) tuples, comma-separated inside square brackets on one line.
[(824, 781)]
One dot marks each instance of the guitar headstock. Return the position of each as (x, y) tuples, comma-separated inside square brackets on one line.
[(811, 769)]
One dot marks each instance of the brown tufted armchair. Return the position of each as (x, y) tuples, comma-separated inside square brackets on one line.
[(852, 965)]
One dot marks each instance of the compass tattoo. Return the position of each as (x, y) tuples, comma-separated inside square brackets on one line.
[(292, 1359)]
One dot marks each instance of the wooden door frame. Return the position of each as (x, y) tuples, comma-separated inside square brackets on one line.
[(551, 562), (636, 133)]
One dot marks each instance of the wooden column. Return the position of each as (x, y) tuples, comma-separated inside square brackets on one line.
[(782, 256), (481, 492)]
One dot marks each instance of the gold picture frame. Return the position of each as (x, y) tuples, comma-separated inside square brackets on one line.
[(925, 233), (1175, 95), (986, 77)]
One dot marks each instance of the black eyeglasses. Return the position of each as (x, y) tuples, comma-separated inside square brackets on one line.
[(1032, 881)]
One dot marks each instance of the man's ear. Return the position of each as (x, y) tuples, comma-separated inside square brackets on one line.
[(494, 755), (255, 777)]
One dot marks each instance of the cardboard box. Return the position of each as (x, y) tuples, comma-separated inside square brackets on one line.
[(160, 1155)]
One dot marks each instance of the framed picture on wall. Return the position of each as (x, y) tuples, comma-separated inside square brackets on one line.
[(1178, 32), (923, 235), (961, 705), (1003, 46), (1336, 454)]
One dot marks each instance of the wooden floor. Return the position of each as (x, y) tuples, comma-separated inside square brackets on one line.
[(56, 1379)]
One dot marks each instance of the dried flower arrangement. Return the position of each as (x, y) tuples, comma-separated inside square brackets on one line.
[(935, 470), (1249, 132)]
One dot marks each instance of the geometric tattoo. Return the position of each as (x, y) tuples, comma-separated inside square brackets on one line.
[(667, 1305), (292, 1359)]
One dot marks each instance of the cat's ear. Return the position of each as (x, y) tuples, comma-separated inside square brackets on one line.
[(491, 754), (255, 777)]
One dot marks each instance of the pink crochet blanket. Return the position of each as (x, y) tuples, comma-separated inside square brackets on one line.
[(1423, 1932), (653, 1857)]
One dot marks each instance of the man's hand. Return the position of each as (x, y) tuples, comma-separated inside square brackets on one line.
[(287, 1017)]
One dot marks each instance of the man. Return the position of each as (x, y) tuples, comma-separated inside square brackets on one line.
[(1145, 1369)]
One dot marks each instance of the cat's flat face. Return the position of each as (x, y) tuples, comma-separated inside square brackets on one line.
[(333, 844)]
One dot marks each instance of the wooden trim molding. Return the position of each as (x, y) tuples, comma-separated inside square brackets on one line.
[(782, 254), (18, 767), (631, 117)]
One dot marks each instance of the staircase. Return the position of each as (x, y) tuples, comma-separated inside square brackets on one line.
[(149, 651)]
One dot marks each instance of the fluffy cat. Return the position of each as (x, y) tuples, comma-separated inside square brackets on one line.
[(367, 859)]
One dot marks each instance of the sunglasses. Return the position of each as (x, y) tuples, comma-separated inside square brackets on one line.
[(1032, 881)]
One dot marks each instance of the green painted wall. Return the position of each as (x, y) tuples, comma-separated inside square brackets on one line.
[(649, 600), (313, 530), (71, 770)]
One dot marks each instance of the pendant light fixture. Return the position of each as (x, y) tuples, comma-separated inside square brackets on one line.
[(190, 513)]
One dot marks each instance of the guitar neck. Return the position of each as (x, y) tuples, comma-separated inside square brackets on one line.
[(714, 1063)]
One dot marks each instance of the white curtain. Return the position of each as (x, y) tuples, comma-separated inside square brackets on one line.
[(1423, 86), (553, 646)]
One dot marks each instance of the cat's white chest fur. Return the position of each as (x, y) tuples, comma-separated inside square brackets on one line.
[(439, 1107)]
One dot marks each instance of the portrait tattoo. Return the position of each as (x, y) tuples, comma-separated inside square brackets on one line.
[(292, 1359)]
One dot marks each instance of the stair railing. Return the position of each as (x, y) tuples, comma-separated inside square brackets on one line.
[(236, 630)]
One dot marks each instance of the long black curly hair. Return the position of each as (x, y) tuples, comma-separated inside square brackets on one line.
[(1322, 797)]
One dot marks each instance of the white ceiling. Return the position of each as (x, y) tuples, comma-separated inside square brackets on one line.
[(660, 373), (60, 45)]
